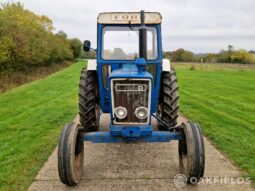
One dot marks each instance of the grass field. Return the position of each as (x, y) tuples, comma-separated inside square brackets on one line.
[(222, 100), (31, 117)]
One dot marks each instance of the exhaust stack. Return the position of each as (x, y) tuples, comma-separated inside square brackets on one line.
[(143, 38)]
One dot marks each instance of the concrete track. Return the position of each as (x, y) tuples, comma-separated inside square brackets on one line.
[(144, 166)]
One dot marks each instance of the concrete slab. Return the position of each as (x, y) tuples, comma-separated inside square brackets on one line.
[(143, 166)]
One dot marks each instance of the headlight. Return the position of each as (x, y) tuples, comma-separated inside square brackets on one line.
[(141, 112), (120, 112)]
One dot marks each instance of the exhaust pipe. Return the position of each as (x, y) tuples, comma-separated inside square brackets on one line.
[(142, 38)]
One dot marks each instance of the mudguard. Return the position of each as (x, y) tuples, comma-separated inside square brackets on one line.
[(92, 64), (166, 66)]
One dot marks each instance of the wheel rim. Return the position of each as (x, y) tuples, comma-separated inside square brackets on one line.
[(183, 157), (185, 163), (78, 156)]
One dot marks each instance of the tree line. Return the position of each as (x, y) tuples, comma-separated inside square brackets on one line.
[(230, 55), (29, 40), (181, 55)]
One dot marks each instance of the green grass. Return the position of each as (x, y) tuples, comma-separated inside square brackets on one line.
[(223, 102), (31, 117)]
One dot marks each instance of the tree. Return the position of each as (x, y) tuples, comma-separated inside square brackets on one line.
[(235, 56), (241, 56), (211, 58), (180, 55), (230, 51), (223, 57), (27, 39), (76, 46), (88, 55), (61, 34), (118, 53), (230, 48)]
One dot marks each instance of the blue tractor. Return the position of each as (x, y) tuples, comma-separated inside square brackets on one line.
[(131, 81)]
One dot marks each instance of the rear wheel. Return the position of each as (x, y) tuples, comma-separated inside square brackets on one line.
[(191, 152), (89, 100), (168, 100), (70, 155)]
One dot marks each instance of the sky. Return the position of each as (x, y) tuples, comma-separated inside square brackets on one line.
[(197, 25)]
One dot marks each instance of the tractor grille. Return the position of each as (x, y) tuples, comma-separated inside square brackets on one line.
[(131, 94)]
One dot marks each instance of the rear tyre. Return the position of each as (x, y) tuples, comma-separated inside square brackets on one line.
[(89, 101), (70, 155), (191, 152), (168, 100)]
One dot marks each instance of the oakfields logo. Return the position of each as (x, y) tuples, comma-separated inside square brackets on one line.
[(180, 180)]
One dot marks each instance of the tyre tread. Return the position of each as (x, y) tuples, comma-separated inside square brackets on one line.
[(87, 100), (169, 99)]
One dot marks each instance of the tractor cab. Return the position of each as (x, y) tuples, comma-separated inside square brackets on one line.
[(129, 65)]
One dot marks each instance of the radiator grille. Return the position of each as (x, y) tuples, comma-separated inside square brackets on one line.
[(131, 93)]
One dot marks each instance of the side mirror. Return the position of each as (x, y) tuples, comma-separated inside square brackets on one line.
[(86, 45)]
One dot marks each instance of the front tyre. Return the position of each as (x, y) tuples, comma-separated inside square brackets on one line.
[(70, 155), (191, 152)]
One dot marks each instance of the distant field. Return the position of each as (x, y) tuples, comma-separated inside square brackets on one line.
[(31, 117), (222, 100), (214, 66)]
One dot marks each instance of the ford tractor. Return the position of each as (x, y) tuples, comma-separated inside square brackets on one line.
[(132, 82)]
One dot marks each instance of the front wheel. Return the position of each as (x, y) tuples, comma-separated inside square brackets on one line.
[(70, 155), (191, 152)]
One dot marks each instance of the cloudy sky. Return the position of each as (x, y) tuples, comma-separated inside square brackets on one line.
[(196, 25)]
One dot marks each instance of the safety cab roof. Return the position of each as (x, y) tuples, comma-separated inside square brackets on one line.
[(128, 18)]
